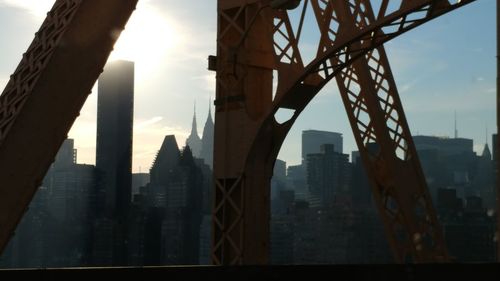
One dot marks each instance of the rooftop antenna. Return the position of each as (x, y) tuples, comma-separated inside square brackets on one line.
[(209, 105), (486, 134), (456, 131)]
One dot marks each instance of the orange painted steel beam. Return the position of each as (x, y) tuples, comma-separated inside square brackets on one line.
[(248, 137), (46, 93), (376, 115), (245, 62)]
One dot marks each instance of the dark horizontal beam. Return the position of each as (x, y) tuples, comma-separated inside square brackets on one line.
[(442, 272)]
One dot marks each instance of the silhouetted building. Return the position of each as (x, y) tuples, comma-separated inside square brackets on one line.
[(278, 181), (206, 212), (207, 140), (137, 231), (207, 175), (66, 156), (451, 163), (155, 197), (494, 146), (328, 173), (181, 226), (194, 141), (24, 249), (166, 159), (360, 188), (355, 157), (175, 207), (468, 229), (282, 239), (138, 180), (205, 240), (55, 230), (484, 180), (313, 139), (447, 162), (115, 107), (282, 227), (448, 204), (101, 249), (447, 146), (279, 171), (305, 237), (297, 180)]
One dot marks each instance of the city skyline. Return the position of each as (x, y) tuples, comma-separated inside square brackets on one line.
[(439, 70), (349, 153), (329, 204)]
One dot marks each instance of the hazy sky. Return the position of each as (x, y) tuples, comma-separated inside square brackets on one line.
[(444, 66)]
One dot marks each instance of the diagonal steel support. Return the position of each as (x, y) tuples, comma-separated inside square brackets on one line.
[(46, 92), (248, 137), (375, 112)]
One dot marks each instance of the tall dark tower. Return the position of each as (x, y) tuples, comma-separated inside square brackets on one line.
[(115, 107), (115, 110)]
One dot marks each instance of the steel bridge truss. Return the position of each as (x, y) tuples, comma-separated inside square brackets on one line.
[(253, 40), (46, 93)]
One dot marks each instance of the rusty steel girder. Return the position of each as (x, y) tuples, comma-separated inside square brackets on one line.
[(253, 40), (46, 93)]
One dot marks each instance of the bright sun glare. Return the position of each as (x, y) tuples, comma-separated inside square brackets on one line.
[(38, 8), (148, 37)]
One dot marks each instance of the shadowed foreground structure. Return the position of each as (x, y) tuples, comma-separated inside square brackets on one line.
[(457, 272), (255, 38), (45, 94)]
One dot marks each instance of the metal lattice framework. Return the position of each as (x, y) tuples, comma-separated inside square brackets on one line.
[(49, 87), (46, 93), (254, 40)]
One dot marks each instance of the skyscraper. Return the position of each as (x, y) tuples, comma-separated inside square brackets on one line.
[(207, 140), (139, 180), (447, 162), (313, 139), (494, 146), (446, 146), (58, 215), (194, 141), (328, 173), (175, 190), (115, 107)]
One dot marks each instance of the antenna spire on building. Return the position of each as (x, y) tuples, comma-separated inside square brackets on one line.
[(207, 139), (456, 131), (194, 141), (194, 127), (486, 134), (210, 106)]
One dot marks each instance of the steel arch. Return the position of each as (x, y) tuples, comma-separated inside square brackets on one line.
[(410, 223)]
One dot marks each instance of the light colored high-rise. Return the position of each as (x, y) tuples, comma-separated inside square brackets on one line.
[(313, 139)]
